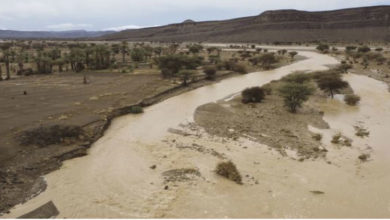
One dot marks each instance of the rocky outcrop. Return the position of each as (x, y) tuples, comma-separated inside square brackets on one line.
[(356, 24)]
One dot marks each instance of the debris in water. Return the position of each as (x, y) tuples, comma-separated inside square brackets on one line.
[(364, 157)]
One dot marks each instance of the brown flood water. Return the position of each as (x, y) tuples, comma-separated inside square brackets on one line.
[(115, 180)]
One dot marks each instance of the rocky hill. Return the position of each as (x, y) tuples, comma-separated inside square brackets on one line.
[(356, 24)]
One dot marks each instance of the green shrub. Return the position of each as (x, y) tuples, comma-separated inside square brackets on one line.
[(351, 99), (293, 54), (364, 49), (229, 171), (330, 82), (350, 48), (323, 47), (253, 95), (185, 75), (267, 89), (170, 65), (265, 60), (136, 109), (240, 68), (210, 71), (297, 78), (294, 94)]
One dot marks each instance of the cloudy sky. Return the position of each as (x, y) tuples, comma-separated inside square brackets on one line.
[(119, 14)]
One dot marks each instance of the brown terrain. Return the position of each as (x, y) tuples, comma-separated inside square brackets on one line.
[(58, 100), (347, 25)]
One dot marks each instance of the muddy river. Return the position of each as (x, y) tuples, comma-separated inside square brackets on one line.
[(115, 179)]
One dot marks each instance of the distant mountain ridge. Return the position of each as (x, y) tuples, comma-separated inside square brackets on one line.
[(355, 24), (73, 34)]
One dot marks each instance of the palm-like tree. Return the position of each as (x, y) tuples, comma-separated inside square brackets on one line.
[(6, 48), (124, 49)]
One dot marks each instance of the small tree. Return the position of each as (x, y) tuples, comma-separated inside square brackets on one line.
[(170, 65), (210, 72), (185, 75), (240, 68), (138, 55), (124, 49), (364, 49), (1, 72), (295, 94), (254, 94), (350, 48), (297, 78), (293, 54), (195, 48), (331, 82), (379, 49), (266, 60), (323, 47)]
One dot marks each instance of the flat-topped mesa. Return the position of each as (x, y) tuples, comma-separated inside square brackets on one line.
[(188, 21), (377, 13), (346, 25)]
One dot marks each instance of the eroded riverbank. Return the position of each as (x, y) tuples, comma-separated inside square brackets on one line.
[(116, 179)]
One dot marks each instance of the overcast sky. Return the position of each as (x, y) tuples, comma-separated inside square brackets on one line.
[(119, 14)]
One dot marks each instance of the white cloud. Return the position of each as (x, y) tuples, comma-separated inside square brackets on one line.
[(121, 28), (68, 26), (126, 27)]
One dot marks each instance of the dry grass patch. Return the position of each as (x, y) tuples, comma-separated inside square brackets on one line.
[(56, 134), (229, 171)]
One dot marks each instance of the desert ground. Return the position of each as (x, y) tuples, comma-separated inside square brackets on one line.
[(162, 162)]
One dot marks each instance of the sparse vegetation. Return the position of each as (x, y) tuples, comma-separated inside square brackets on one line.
[(240, 68), (294, 94), (317, 137), (361, 132), (136, 109), (229, 171), (265, 60), (297, 78), (340, 139), (330, 82), (323, 48), (293, 54), (210, 72), (180, 175), (171, 65), (45, 136), (364, 49), (253, 95), (351, 99), (364, 157)]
